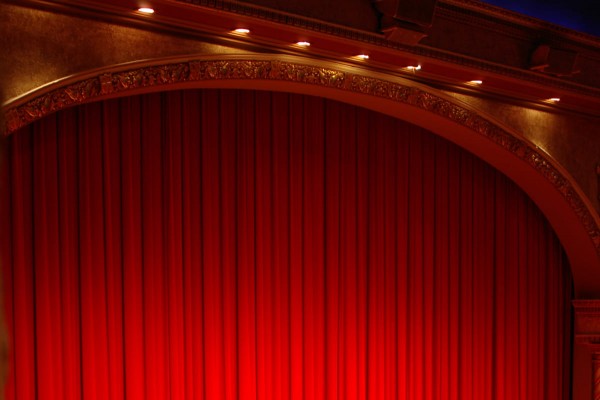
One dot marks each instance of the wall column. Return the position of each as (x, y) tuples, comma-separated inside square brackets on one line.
[(587, 333), (596, 373)]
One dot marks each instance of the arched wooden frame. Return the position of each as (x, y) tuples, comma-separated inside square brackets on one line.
[(544, 180)]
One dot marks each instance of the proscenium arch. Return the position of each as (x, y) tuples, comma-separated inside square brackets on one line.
[(554, 191)]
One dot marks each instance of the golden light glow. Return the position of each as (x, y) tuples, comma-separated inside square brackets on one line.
[(413, 68), (554, 99), (242, 31), (303, 44), (475, 82), (146, 10), (362, 57)]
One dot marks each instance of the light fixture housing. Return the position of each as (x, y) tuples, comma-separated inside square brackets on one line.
[(363, 56), (241, 31), (303, 44), (475, 82), (146, 10)]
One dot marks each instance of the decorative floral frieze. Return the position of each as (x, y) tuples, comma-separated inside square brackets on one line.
[(116, 83)]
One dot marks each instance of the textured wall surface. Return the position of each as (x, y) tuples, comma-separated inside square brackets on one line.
[(40, 47), (571, 139)]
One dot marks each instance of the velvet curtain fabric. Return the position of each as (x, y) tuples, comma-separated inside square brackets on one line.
[(221, 244)]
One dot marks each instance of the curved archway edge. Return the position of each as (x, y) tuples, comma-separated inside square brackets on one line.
[(547, 183)]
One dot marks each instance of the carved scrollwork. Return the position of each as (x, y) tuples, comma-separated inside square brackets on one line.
[(587, 323), (205, 70)]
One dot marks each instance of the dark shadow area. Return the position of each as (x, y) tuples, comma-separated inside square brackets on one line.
[(580, 15)]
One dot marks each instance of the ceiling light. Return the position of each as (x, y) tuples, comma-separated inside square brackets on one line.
[(362, 56), (146, 10), (475, 82), (554, 99), (303, 44), (242, 31), (413, 68)]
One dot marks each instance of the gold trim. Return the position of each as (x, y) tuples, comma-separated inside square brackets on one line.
[(111, 84)]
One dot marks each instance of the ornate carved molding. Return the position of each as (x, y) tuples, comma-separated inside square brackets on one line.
[(473, 12), (587, 322), (585, 306), (478, 13), (587, 333), (596, 375), (592, 341), (112, 84)]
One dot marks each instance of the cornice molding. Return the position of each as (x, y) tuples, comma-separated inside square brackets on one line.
[(296, 21), (482, 18), (186, 73), (521, 21), (592, 341), (586, 306), (481, 13), (587, 323)]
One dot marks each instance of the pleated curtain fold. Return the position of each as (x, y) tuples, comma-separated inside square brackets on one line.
[(230, 244)]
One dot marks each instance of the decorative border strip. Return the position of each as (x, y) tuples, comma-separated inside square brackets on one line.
[(115, 83), (478, 13), (587, 322), (586, 307)]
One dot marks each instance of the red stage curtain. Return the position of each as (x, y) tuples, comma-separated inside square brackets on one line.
[(215, 244)]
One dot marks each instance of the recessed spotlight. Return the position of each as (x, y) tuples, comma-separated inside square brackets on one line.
[(242, 31), (475, 82), (362, 57), (413, 68), (146, 10), (554, 99), (303, 44)]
